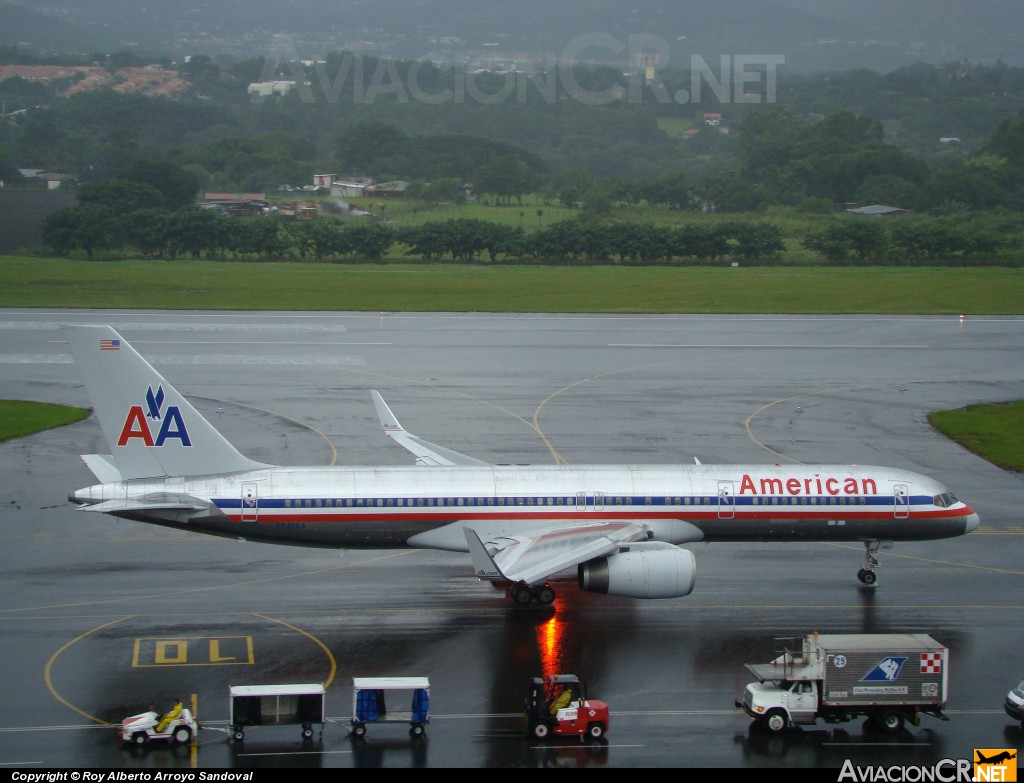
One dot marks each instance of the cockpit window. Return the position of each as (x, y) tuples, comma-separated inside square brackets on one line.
[(945, 500)]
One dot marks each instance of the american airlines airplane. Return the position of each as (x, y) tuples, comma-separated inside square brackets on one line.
[(621, 527)]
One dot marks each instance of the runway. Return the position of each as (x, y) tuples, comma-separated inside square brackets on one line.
[(90, 603)]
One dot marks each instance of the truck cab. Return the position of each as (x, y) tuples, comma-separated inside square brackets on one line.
[(778, 703)]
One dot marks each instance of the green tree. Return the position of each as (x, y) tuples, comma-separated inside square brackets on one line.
[(201, 71), (369, 241), (149, 230), (89, 227), (328, 240), (598, 200), (670, 189), (506, 178), (196, 231), (121, 196), (362, 148), (887, 189), (177, 186), (754, 241), (859, 237)]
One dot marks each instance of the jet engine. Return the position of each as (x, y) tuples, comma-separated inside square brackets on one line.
[(650, 569)]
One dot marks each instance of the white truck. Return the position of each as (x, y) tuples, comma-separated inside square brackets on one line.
[(891, 678)]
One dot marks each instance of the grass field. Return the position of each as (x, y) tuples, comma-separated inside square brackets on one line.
[(186, 284), (19, 418), (994, 432)]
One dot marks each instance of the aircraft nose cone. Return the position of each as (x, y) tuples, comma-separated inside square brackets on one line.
[(971, 522)]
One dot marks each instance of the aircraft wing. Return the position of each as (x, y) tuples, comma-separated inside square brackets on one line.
[(533, 557), (426, 453)]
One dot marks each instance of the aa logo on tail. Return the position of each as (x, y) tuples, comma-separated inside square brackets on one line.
[(168, 424)]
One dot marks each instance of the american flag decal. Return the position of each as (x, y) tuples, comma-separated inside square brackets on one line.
[(110, 345), (931, 663)]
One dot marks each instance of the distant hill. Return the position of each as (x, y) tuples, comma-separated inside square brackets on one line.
[(26, 27), (813, 35)]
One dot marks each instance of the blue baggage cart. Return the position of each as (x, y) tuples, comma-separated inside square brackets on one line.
[(390, 700)]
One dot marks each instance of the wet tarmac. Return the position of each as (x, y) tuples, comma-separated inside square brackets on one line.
[(102, 617)]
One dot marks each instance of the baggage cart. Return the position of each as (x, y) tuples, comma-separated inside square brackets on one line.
[(390, 700), (276, 705)]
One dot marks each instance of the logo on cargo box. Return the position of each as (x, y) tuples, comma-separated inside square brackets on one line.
[(887, 670)]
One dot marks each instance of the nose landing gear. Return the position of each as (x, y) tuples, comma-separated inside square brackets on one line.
[(867, 574)]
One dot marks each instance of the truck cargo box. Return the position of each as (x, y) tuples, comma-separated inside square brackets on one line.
[(895, 668)]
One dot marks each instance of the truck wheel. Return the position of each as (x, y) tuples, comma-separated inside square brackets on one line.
[(140, 738), (307, 733), (358, 731), (890, 721), (417, 730), (595, 731), (238, 735), (775, 721), (181, 735), (541, 731)]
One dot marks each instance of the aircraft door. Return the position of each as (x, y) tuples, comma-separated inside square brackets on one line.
[(250, 502), (589, 501), (726, 501), (901, 501)]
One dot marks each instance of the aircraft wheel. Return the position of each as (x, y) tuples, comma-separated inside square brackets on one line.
[(546, 595), (541, 731), (868, 577), (181, 735), (522, 595)]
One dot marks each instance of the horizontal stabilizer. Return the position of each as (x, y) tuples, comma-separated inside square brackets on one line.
[(426, 453), (102, 467), (114, 506)]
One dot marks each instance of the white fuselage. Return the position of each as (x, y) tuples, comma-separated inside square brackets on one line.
[(428, 506)]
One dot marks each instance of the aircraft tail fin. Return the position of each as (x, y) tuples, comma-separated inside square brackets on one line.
[(151, 428)]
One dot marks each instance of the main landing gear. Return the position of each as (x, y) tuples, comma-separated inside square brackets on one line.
[(867, 574), (524, 595)]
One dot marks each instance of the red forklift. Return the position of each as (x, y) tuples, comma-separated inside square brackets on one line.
[(560, 707)]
